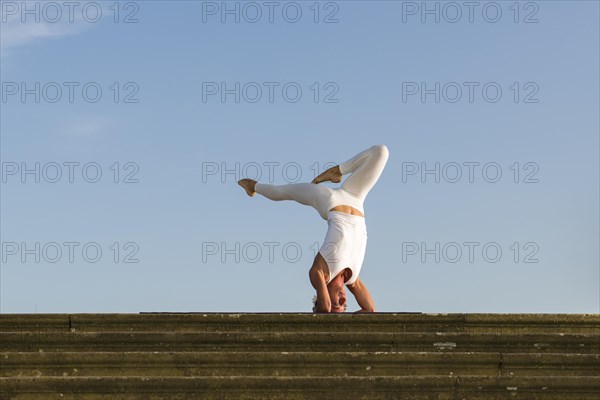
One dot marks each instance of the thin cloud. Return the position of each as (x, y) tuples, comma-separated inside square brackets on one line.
[(15, 33), (89, 127)]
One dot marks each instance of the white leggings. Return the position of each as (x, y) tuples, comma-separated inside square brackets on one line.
[(365, 169)]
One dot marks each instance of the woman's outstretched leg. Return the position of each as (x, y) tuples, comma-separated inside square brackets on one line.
[(365, 169), (307, 194)]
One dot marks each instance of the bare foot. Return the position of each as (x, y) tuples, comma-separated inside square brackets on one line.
[(333, 174), (248, 185)]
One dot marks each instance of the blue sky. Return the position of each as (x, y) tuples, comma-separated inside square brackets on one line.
[(176, 207)]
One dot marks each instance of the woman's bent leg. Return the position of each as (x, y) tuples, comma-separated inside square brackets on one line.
[(365, 167)]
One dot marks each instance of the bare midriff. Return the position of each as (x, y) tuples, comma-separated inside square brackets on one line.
[(348, 210)]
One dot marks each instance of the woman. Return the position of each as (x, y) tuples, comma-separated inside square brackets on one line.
[(340, 258)]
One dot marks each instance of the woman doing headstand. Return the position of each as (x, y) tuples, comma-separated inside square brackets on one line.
[(340, 257)]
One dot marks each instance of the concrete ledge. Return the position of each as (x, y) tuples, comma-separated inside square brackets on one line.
[(295, 364), (299, 341), (304, 322), (405, 356), (530, 388)]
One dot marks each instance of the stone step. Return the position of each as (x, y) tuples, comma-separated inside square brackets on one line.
[(581, 343), (235, 387), (303, 322), (295, 364)]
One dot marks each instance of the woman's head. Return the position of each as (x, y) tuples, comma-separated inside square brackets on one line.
[(337, 296)]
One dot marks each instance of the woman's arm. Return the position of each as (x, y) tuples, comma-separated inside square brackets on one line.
[(317, 279), (362, 295)]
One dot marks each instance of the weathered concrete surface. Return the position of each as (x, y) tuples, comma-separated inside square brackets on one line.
[(299, 356), (445, 387), (303, 322), (273, 363), (298, 341)]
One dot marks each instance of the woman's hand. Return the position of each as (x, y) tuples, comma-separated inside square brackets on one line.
[(323, 308), (362, 295), (323, 303)]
